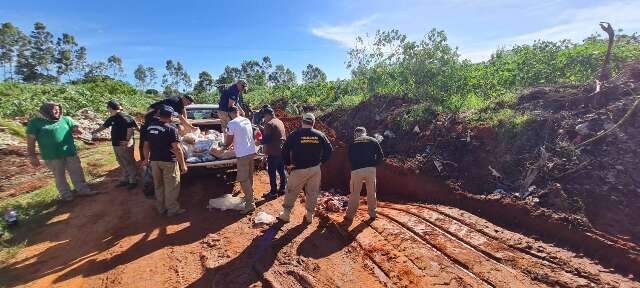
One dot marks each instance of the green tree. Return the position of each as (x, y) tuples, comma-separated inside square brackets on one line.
[(64, 60), (205, 83), (42, 52), (97, 69), (182, 77), (80, 60), (282, 76), (151, 76), (11, 38), (229, 75), (115, 65), (141, 77), (313, 74)]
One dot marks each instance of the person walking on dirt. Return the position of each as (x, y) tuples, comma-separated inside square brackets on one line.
[(164, 155), (122, 129), (231, 97), (177, 103), (240, 134), (54, 134), (365, 154), (303, 151), (273, 136)]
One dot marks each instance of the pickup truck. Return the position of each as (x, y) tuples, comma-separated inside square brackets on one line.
[(205, 117)]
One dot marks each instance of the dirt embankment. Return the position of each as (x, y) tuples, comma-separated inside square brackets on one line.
[(583, 196)]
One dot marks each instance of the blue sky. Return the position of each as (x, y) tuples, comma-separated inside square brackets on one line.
[(205, 35)]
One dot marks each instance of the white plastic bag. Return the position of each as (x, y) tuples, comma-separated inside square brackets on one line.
[(264, 218), (226, 202)]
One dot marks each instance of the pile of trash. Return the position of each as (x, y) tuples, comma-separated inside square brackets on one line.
[(331, 202), (202, 147), (89, 121)]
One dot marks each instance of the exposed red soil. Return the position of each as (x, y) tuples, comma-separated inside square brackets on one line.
[(126, 244), (17, 176)]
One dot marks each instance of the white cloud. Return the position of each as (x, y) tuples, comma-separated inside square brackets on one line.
[(345, 35), (574, 24)]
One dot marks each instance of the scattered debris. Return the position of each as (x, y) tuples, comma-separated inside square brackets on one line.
[(389, 134), (332, 202), (89, 121), (264, 218), (226, 202)]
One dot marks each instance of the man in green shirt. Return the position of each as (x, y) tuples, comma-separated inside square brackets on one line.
[(54, 135)]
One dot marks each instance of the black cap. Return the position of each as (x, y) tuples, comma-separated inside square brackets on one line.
[(167, 111), (267, 110), (113, 104), (188, 97)]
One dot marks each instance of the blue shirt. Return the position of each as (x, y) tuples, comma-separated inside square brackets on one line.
[(231, 93)]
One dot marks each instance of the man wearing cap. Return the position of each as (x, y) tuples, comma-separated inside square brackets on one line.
[(240, 134), (164, 155), (122, 127), (305, 149), (54, 134), (273, 136), (365, 154), (231, 97), (177, 103)]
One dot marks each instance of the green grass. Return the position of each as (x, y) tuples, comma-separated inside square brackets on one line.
[(14, 128), (37, 207)]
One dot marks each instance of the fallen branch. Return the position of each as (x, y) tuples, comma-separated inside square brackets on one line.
[(582, 165), (624, 118)]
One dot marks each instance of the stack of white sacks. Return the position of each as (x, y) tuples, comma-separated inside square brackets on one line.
[(205, 147)]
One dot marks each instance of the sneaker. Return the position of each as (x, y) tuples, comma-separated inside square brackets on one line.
[(177, 212), (248, 208), (87, 193), (283, 218), (270, 195), (122, 184), (307, 221), (132, 186)]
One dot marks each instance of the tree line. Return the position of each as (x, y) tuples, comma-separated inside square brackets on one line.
[(39, 57)]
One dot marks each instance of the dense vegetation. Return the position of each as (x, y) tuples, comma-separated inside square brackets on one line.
[(428, 69)]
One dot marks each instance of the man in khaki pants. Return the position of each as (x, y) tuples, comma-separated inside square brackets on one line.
[(53, 132), (365, 154), (240, 134), (305, 149), (165, 157), (122, 126)]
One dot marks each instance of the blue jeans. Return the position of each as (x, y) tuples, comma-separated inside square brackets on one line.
[(275, 164)]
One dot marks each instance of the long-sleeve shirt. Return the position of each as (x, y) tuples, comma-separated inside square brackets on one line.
[(365, 152), (305, 148)]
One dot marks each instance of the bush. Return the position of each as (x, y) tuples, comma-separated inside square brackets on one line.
[(25, 99)]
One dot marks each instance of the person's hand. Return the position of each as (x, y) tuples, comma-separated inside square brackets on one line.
[(145, 162), (183, 169), (35, 162), (289, 168)]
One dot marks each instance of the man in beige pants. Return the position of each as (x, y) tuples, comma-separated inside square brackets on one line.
[(365, 154), (240, 134), (122, 126), (166, 159), (231, 97), (305, 149)]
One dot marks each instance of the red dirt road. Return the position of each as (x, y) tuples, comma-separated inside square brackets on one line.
[(115, 239)]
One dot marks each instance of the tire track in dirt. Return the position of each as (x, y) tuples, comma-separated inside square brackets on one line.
[(551, 257), (427, 257), (473, 260), (535, 268)]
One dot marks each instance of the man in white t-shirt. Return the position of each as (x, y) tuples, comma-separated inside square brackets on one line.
[(240, 134)]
